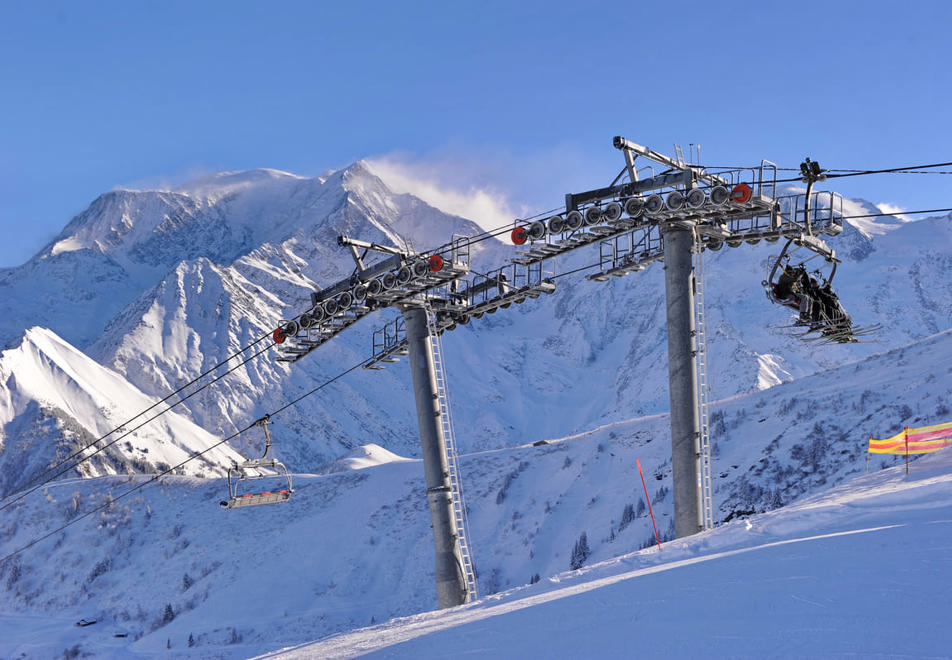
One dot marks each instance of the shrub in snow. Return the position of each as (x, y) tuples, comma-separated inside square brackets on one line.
[(99, 569), (74, 505), (501, 495), (493, 583), (13, 570), (628, 515), (905, 414), (668, 534), (580, 552)]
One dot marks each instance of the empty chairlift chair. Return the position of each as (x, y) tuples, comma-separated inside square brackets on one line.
[(239, 475)]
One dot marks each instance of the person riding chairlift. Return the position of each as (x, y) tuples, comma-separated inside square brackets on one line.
[(790, 286)]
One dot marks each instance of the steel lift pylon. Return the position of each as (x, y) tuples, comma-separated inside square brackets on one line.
[(455, 577)]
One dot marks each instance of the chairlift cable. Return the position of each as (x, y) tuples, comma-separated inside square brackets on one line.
[(895, 213), (27, 489), (832, 173), (156, 477), (359, 365), (911, 169), (498, 231), (577, 270), (115, 498)]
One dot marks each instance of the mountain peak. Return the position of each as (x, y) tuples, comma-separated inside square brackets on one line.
[(48, 383), (220, 184)]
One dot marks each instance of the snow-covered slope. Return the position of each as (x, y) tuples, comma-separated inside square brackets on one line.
[(354, 547), (54, 401), (858, 571)]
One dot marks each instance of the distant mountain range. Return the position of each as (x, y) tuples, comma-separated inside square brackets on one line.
[(160, 286)]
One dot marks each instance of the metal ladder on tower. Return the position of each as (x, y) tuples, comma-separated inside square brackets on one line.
[(446, 423), (700, 360)]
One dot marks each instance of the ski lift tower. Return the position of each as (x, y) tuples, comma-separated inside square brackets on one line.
[(689, 210), (412, 283), (679, 240), (671, 217)]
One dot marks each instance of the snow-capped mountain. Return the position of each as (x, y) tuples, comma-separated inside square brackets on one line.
[(165, 314), (193, 275), (553, 401), (55, 401)]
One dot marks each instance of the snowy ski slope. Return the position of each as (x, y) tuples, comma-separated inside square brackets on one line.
[(861, 570)]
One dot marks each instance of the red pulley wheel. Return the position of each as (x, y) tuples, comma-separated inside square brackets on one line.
[(518, 236), (436, 263), (741, 193), (278, 336)]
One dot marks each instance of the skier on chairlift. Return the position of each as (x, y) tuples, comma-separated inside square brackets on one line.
[(839, 325), (790, 286)]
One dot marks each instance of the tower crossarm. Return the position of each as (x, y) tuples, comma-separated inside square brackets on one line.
[(400, 277), (626, 219)]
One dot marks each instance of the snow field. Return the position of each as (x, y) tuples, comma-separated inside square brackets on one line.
[(859, 571)]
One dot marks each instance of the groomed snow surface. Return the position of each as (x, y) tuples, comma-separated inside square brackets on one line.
[(861, 570)]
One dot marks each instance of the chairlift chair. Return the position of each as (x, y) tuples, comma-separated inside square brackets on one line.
[(810, 294), (238, 474)]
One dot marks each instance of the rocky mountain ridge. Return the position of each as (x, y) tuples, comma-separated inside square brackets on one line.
[(162, 285)]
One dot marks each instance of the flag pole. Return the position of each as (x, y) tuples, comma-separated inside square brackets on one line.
[(867, 453)]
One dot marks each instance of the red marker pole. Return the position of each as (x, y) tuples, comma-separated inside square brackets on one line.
[(645, 486)]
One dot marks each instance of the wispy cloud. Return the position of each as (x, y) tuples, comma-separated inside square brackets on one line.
[(168, 181), (440, 183), (893, 210)]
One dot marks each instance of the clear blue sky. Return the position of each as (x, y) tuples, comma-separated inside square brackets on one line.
[(519, 97)]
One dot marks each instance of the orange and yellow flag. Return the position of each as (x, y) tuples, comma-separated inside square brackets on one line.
[(914, 441)]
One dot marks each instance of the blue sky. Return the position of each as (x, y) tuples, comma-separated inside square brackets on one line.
[(517, 99)]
